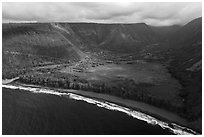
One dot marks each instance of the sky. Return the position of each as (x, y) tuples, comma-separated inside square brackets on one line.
[(155, 14)]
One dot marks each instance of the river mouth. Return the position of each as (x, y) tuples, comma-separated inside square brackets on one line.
[(171, 127)]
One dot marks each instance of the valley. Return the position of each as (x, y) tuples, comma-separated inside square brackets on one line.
[(130, 61)]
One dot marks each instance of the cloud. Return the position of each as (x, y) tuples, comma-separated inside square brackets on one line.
[(150, 13)]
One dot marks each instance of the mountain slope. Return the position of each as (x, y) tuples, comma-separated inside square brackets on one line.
[(187, 68), (164, 33), (28, 45), (122, 38), (189, 34)]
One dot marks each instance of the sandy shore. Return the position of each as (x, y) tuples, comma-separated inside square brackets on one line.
[(143, 107), (163, 115), (7, 81), (154, 111)]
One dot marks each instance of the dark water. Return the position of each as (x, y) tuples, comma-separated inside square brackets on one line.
[(24, 112)]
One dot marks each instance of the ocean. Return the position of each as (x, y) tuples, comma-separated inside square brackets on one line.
[(24, 112)]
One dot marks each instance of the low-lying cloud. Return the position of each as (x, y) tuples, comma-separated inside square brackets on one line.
[(156, 14)]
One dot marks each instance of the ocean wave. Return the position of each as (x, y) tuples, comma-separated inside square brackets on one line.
[(176, 129)]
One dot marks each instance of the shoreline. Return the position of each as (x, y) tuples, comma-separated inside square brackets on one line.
[(156, 112), (164, 115), (7, 81)]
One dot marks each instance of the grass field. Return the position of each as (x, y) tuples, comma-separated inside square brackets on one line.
[(152, 74)]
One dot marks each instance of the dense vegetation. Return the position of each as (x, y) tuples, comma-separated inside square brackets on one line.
[(125, 88), (191, 92)]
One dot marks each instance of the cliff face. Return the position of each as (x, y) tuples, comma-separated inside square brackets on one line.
[(123, 38)]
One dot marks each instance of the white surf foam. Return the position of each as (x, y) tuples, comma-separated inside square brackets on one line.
[(176, 129)]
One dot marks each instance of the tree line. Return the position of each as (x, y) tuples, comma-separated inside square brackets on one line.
[(126, 88)]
